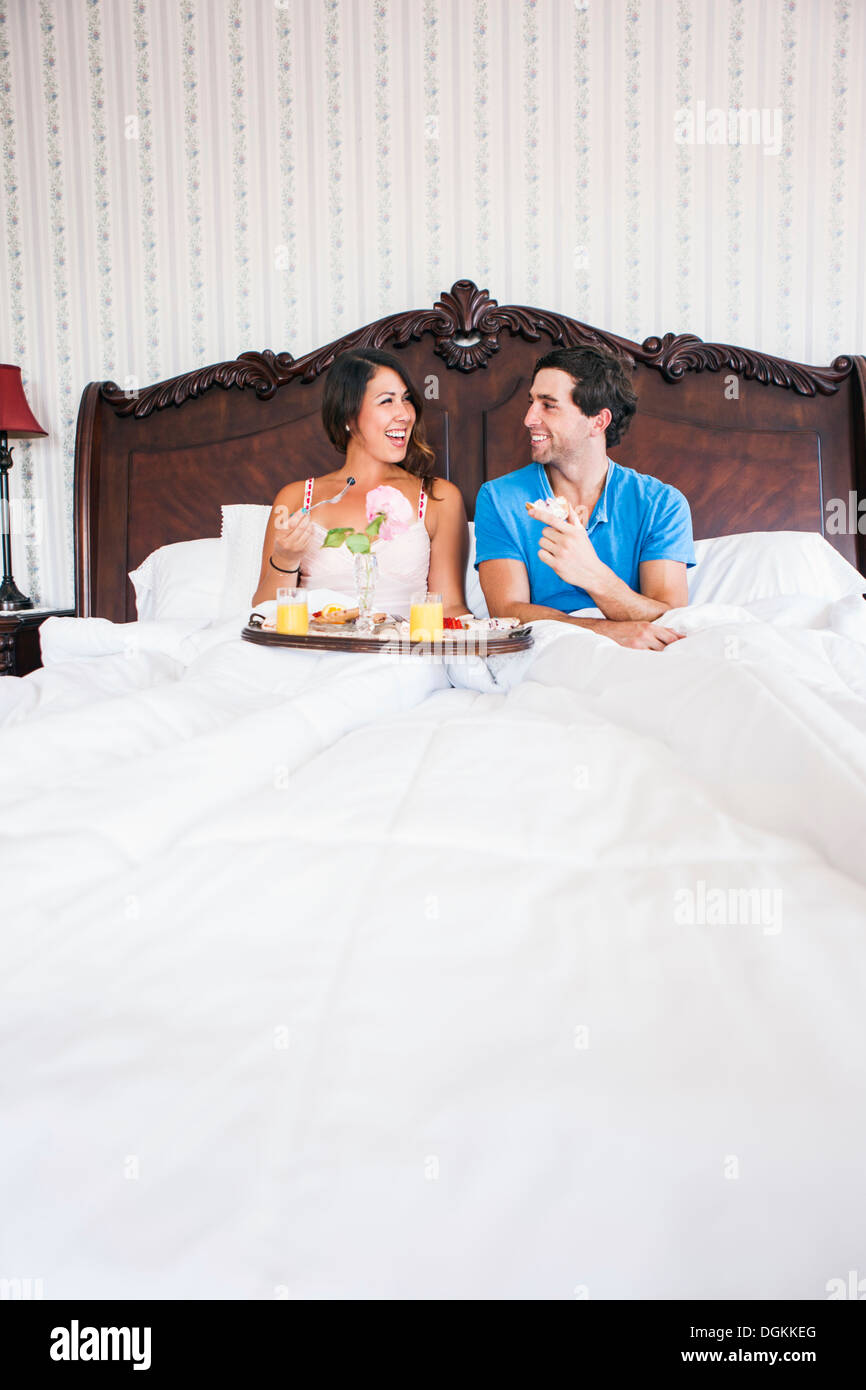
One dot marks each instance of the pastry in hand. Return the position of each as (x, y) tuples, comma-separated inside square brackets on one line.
[(558, 507), (553, 506)]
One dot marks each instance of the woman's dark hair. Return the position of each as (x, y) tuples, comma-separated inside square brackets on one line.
[(601, 382), (345, 385)]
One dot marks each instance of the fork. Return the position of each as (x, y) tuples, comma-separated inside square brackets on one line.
[(327, 501)]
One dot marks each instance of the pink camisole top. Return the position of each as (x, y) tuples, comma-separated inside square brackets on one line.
[(404, 562)]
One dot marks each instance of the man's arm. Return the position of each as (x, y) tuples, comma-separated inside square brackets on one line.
[(663, 586), (565, 546), (505, 584)]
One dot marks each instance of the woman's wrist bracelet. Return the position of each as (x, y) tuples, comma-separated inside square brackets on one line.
[(277, 568)]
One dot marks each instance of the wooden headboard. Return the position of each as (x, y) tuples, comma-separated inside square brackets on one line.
[(756, 443)]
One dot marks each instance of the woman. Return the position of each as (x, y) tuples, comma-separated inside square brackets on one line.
[(372, 414)]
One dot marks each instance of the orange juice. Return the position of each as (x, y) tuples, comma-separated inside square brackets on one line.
[(425, 622), (293, 619)]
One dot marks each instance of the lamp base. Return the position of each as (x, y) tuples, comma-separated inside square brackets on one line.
[(11, 598)]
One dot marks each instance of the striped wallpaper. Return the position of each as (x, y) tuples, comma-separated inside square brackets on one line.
[(183, 180)]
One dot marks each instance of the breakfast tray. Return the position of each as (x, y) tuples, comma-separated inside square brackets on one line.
[(474, 643)]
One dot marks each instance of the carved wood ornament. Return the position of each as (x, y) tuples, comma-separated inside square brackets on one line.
[(466, 325)]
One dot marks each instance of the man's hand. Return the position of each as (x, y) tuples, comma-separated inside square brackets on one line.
[(565, 546), (648, 637)]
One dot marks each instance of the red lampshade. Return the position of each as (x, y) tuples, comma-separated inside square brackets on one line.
[(16, 417)]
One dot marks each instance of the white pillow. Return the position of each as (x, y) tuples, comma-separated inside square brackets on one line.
[(180, 582), (770, 564), (243, 529), (474, 593)]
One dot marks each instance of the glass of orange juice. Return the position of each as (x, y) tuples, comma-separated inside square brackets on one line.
[(293, 614), (426, 623)]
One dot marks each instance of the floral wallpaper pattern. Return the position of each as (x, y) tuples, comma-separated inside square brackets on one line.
[(185, 180)]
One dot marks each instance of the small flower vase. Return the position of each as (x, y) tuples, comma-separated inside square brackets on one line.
[(366, 568)]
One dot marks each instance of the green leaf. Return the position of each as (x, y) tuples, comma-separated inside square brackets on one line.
[(337, 535), (373, 528), (359, 544)]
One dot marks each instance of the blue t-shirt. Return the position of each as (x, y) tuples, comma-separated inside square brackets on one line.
[(636, 518)]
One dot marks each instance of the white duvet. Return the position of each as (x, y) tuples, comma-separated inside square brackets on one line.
[(330, 977)]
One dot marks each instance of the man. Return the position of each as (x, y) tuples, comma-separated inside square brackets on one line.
[(626, 542)]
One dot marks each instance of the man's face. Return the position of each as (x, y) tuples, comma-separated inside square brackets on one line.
[(558, 429)]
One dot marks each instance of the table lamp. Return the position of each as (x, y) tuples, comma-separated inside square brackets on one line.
[(17, 422)]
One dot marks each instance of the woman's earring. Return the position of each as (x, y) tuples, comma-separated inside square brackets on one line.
[(347, 429)]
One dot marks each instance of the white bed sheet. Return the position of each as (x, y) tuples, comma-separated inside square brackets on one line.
[(321, 979)]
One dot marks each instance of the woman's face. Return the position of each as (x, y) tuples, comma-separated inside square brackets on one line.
[(384, 424)]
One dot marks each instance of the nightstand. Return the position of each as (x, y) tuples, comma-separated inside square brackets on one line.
[(19, 638)]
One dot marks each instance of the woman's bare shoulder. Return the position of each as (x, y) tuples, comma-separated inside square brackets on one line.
[(446, 495)]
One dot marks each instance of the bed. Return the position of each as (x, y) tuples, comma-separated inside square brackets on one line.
[(334, 976)]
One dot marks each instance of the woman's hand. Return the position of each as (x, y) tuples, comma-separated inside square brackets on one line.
[(292, 534)]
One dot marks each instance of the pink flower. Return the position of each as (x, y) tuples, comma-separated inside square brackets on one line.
[(397, 509)]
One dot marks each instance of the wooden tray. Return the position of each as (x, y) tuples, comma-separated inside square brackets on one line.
[(449, 649)]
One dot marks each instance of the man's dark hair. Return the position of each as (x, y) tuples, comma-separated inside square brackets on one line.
[(601, 381)]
